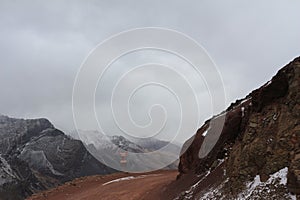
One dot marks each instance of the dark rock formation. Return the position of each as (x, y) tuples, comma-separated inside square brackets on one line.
[(259, 137), (35, 156)]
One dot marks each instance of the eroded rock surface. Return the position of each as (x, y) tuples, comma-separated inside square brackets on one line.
[(260, 137), (35, 156)]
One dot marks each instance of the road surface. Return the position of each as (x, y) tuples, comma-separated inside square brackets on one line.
[(120, 186)]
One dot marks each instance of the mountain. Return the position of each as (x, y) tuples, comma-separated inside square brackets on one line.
[(35, 156), (101, 141), (249, 151), (148, 153), (254, 154), (153, 144)]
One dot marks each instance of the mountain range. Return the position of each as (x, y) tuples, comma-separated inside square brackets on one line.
[(145, 154), (249, 151), (35, 156)]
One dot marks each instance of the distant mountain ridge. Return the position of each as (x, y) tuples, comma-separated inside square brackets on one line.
[(35, 156), (253, 154), (107, 149)]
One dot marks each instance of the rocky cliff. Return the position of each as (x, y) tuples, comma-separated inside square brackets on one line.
[(256, 153), (34, 156)]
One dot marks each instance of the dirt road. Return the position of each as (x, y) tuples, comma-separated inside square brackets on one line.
[(121, 186)]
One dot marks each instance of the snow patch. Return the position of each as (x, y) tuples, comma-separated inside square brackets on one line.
[(214, 193), (204, 133), (6, 173), (120, 179), (38, 159), (268, 83), (255, 189), (129, 178), (256, 186), (189, 193), (6, 167), (251, 187), (243, 111), (245, 100)]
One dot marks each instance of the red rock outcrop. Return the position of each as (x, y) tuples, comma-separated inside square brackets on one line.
[(258, 135)]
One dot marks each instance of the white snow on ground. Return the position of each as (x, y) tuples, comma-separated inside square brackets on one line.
[(213, 193), (189, 193), (204, 133), (245, 100), (129, 178), (256, 186), (6, 173), (120, 179), (268, 83), (293, 197), (251, 187), (243, 111), (254, 189), (6, 167), (38, 159)]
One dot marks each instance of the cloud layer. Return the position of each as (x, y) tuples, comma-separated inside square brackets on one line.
[(42, 44)]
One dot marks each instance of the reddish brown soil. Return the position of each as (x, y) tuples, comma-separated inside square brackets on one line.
[(143, 186)]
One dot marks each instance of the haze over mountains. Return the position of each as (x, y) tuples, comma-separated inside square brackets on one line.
[(255, 155), (194, 78), (36, 156), (148, 153)]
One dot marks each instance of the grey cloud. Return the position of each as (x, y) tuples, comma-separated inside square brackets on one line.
[(42, 44)]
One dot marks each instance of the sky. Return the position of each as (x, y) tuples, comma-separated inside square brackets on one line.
[(44, 43)]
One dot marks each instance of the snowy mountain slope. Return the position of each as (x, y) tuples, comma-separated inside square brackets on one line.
[(107, 150), (6, 173), (36, 156)]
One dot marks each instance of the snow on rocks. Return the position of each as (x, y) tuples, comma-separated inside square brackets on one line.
[(38, 160), (245, 100), (275, 186), (243, 111), (268, 83), (214, 193), (205, 133), (189, 193), (6, 167), (6, 173)]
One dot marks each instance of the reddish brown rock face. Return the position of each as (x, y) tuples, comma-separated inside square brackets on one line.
[(260, 136)]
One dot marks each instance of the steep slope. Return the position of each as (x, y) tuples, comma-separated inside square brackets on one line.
[(250, 151), (35, 156), (256, 153)]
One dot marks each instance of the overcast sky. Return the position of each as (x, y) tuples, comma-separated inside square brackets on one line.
[(43, 43)]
